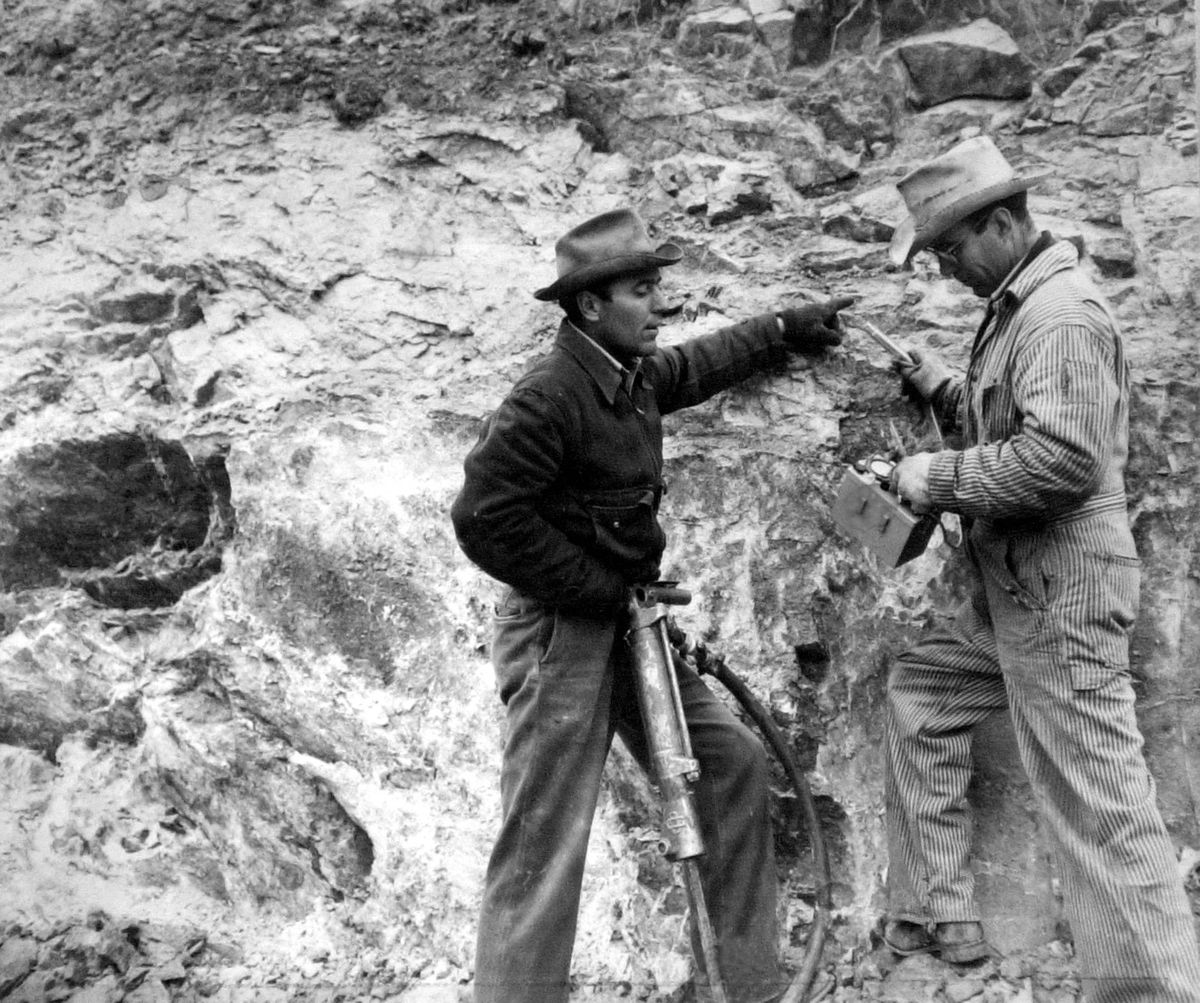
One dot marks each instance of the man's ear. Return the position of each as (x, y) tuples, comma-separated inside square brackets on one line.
[(589, 304), (1003, 220)]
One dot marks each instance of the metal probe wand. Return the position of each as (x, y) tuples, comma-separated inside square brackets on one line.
[(897, 353), (950, 522), (893, 349), (674, 767)]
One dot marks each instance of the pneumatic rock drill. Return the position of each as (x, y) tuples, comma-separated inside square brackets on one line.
[(673, 766), (655, 643)]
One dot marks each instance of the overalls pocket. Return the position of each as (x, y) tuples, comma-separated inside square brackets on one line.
[(1095, 599)]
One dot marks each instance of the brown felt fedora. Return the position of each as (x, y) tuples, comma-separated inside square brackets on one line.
[(605, 247), (949, 188)]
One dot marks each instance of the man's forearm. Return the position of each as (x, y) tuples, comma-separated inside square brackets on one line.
[(947, 403), (1015, 477), (690, 373)]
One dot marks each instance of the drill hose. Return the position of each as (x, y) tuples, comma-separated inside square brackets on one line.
[(704, 662)]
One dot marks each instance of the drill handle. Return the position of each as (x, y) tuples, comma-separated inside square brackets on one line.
[(666, 593)]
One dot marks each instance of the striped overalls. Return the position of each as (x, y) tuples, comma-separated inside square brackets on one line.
[(1040, 481)]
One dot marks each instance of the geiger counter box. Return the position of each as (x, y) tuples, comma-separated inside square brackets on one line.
[(867, 512)]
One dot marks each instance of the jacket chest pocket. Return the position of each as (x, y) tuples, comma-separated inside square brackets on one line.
[(998, 417), (626, 522)]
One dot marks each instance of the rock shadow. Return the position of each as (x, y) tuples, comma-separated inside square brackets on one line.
[(132, 519)]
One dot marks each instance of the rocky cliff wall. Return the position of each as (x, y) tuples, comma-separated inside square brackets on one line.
[(267, 266)]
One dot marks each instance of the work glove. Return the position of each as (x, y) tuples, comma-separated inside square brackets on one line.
[(924, 377), (643, 572), (910, 482), (815, 327)]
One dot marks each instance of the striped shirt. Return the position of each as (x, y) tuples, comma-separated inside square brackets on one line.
[(1044, 407)]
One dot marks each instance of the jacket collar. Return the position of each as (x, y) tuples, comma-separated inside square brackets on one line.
[(606, 372)]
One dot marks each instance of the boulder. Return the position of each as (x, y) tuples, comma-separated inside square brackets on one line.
[(979, 60), (720, 190), (763, 8), (1091, 49), (1058, 78), (856, 103), (915, 979), (776, 29), (703, 32), (810, 31), (965, 117), (91, 503), (1129, 118), (902, 17), (831, 256), (831, 169), (18, 957), (1182, 135), (1127, 35), (868, 218), (1102, 13)]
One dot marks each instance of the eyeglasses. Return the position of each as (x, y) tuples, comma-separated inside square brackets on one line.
[(948, 255)]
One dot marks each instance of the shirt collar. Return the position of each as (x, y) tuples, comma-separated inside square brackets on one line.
[(1047, 256), (1032, 270), (608, 374)]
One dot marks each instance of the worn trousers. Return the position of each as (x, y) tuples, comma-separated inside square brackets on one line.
[(1045, 634), (566, 685)]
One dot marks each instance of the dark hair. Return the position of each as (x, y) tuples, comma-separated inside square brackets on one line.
[(1016, 204), (570, 301)]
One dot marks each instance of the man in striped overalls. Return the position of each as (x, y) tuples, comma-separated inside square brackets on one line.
[(1039, 483)]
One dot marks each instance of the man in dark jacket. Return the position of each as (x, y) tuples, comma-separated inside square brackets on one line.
[(561, 503)]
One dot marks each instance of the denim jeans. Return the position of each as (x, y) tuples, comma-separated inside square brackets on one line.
[(567, 689)]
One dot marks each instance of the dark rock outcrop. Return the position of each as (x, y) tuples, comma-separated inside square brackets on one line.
[(979, 60)]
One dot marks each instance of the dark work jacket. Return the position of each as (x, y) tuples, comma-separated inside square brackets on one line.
[(562, 489)]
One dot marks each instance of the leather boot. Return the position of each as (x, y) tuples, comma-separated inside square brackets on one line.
[(956, 943)]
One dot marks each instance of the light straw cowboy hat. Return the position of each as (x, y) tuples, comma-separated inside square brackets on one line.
[(951, 187), (606, 246)]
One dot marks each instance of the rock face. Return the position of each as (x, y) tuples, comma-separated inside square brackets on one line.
[(267, 267), (846, 26), (1137, 97)]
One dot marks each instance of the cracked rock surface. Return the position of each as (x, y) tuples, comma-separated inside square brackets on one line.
[(265, 266)]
